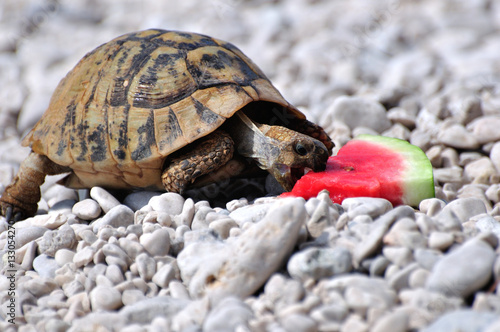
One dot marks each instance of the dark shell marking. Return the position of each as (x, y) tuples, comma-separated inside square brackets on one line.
[(131, 102)]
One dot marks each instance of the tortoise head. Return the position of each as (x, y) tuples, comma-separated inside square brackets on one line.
[(285, 153), (297, 154)]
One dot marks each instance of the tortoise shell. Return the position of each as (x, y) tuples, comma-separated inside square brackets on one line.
[(135, 100)]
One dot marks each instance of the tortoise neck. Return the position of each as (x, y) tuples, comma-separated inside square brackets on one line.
[(251, 142)]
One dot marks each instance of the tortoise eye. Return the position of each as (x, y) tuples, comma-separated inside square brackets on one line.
[(300, 149)]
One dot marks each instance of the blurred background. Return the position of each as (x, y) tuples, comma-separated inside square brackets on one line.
[(401, 53)]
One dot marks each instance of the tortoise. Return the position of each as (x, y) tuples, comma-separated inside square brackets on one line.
[(164, 110)]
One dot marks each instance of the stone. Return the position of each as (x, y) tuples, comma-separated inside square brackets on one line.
[(223, 226), (143, 312), (493, 193), (29, 255), (104, 198), (396, 321), (88, 209), (172, 203), (452, 174), (373, 240), (52, 241), (318, 263), (73, 287), (200, 219), (402, 116), (480, 171), (52, 220), (440, 240), (236, 204), (146, 266), (434, 155), (495, 156), (131, 247), (378, 266), (455, 135), (398, 131), (114, 274), (115, 255), (131, 296), (228, 262), (450, 158), (164, 276), (156, 243), (426, 258), (118, 216), (322, 217), (138, 199), (40, 286), (435, 302), (56, 325), (45, 266), (229, 314), (105, 298), (354, 323), (362, 292), (465, 320), (88, 236), (283, 292), (187, 214), (489, 224), (418, 278), (360, 112), (459, 211), (431, 206), (178, 290), (299, 323), (251, 213), (28, 234), (333, 311), (373, 207), (401, 256), (64, 256), (485, 129), (100, 320), (84, 256), (192, 316), (400, 280), (447, 274)]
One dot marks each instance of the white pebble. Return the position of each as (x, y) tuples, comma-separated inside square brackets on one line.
[(456, 136), (104, 198), (88, 209), (440, 240), (171, 203), (360, 112), (447, 275), (118, 216), (105, 298), (64, 256), (156, 243)]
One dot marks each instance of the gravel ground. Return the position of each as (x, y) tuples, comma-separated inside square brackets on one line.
[(426, 71)]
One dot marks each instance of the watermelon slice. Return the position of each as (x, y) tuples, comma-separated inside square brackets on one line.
[(372, 166)]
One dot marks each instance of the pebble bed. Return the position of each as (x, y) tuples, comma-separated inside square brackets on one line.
[(426, 71)]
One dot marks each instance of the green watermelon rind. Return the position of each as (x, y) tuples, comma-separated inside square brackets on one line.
[(417, 180)]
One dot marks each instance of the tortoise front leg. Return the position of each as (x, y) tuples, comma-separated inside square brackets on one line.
[(203, 156), (20, 198)]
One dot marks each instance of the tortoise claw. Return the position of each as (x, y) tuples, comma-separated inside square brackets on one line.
[(12, 217), (8, 214)]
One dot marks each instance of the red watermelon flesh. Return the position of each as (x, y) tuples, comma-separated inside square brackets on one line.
[(372, 166)]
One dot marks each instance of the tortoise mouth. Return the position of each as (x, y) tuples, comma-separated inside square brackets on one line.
[(298, 172), (288, 176)]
